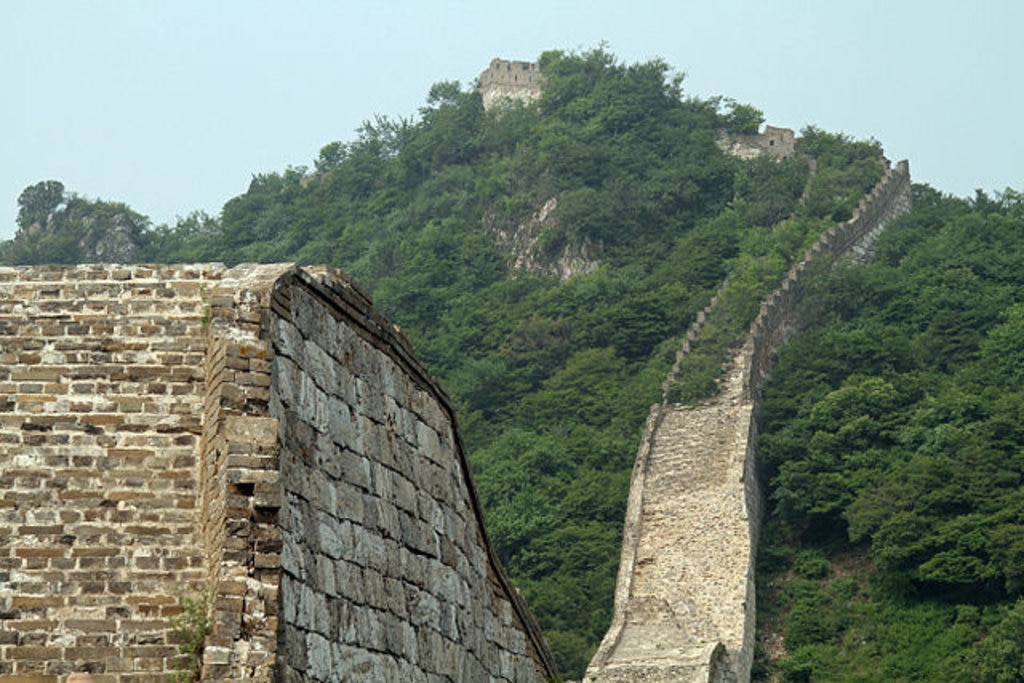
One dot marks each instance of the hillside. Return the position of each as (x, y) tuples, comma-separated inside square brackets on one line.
[(545, 259), (892, 440)]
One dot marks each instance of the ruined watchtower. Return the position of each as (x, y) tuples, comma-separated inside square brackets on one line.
[(510, 80)]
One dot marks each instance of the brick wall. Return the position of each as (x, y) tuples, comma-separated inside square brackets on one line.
[(261, 435), (100, 392)]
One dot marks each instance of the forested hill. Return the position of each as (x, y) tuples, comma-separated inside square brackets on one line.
[(624, 215), (893, 439)]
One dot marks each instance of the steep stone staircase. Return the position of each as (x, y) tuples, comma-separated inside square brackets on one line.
[(684, 600), (690, 588)]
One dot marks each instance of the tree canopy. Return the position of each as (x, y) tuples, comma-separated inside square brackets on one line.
[(894, 428)]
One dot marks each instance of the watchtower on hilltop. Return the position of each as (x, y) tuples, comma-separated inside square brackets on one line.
[(510, 80)]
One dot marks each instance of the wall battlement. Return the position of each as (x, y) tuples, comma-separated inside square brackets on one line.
[(261, 433), (684, 599)]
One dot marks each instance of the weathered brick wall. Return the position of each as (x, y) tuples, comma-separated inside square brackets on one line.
[(169, 428), (100, 393), (387, 573)]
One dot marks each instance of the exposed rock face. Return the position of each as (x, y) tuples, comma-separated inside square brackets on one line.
[(261, 433), (86, 235), (528, 251), (114, 242)]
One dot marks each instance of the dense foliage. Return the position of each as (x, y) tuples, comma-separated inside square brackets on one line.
[(895, 450)]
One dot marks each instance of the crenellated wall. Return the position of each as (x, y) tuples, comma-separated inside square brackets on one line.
[(889, 199), (684, 599), (260, 435)]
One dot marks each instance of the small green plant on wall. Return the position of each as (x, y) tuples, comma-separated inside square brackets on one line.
[(191, 626)]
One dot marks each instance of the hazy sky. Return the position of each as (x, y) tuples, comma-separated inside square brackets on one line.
[(171, 106)]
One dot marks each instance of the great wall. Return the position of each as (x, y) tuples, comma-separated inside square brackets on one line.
[(684, 600), (262, 436)]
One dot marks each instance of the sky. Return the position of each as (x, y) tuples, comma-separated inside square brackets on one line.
[(172, 107)]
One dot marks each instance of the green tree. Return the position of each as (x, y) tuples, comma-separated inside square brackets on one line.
[(37, 202)]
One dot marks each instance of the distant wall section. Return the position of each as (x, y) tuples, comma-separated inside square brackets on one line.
[(773, 142), (853, 239), (715, 642)]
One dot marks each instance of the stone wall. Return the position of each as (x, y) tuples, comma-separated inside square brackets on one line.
[(387, 571), (183, 428), (684, 599)]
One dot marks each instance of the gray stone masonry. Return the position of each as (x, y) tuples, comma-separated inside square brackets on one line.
[(386, 571)]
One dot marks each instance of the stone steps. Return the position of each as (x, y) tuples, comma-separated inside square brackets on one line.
[(692, 542)]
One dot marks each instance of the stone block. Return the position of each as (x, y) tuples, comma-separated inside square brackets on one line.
[(348, 502), (335, 536), (318, 655), (217, 655), (404, 493), (351, 467)]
